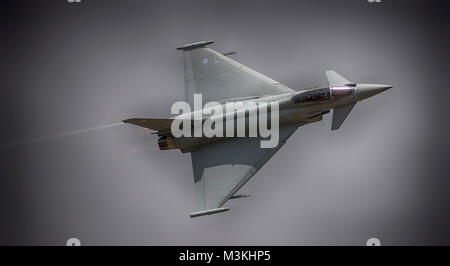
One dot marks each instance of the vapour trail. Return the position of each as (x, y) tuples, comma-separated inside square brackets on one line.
[(57, 136)]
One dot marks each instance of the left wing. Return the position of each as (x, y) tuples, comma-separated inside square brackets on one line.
[(221, 169), (218, 77)]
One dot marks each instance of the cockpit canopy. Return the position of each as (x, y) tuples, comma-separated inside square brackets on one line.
[(323, 94), (315, 95)]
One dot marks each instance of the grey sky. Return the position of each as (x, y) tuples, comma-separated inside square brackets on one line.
[(67, 67)]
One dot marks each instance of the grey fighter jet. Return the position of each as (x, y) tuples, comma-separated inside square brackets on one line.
[(222, 166)]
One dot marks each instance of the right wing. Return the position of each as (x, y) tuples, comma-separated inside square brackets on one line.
[(218, 77), (221, 169)]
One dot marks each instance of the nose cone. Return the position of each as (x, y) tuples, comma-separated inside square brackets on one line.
[(369, 90)]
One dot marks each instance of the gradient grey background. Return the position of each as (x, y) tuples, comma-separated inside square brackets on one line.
[(68, 66)]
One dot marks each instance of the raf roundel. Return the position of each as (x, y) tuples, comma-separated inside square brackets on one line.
[(205, 60)]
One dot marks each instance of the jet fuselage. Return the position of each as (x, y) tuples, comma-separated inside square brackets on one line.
[(306, 106)]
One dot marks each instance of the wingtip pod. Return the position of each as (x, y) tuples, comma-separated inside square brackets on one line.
[(208, 212), (195, 45)]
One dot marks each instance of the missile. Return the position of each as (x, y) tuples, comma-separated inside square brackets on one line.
[(229, 53), (239, 196), (208, 212), (195, 45)]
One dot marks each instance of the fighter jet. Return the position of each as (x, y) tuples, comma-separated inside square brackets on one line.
[(222, 165)]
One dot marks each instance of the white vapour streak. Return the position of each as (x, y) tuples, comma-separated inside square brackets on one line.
[(57, 136)]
